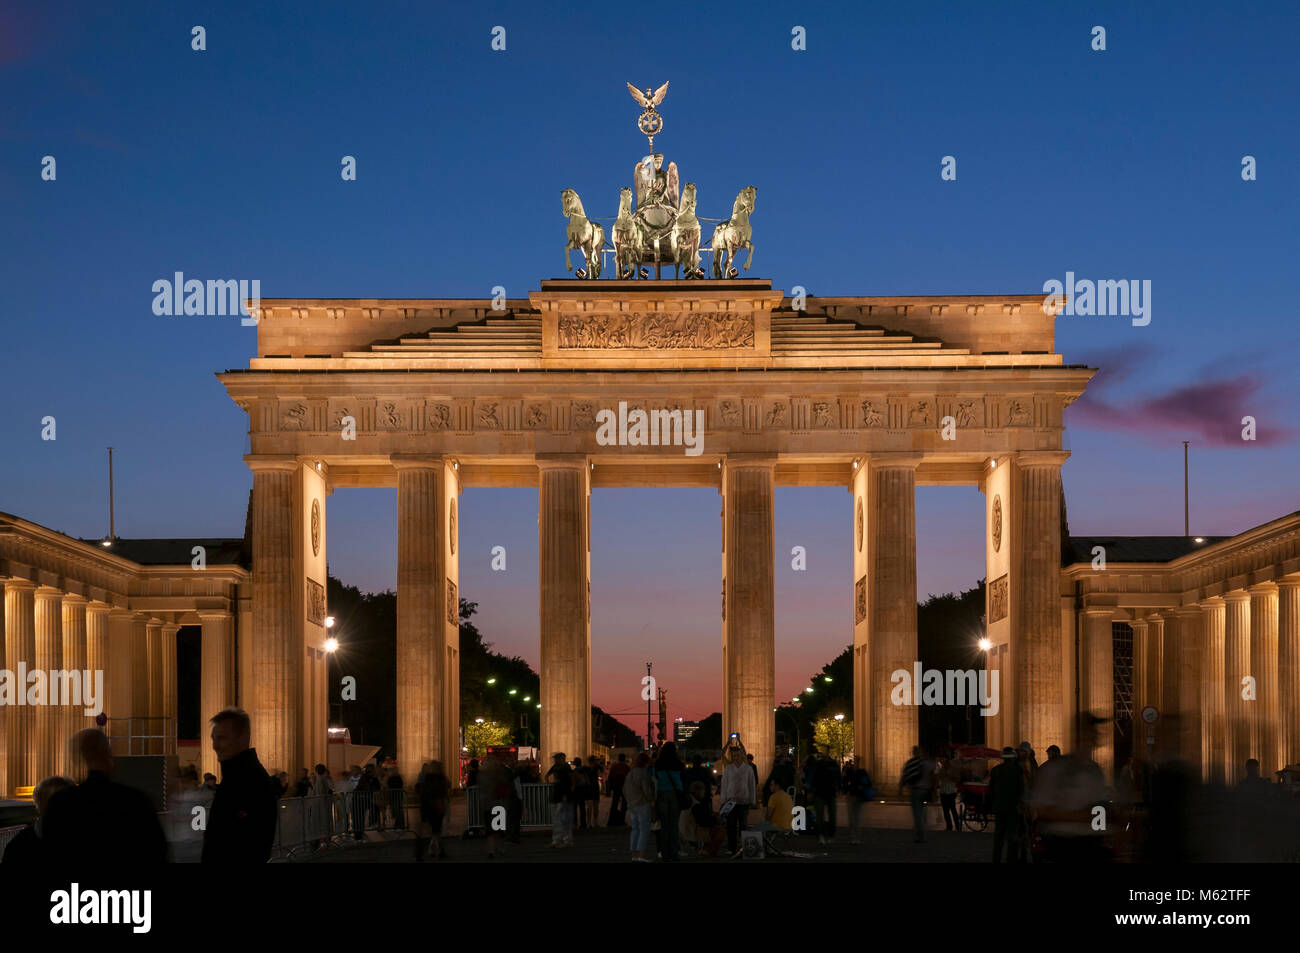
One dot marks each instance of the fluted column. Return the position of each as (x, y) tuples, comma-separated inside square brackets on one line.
[(1155, 660), (1236, 665), (4, 709), (168, 710), (20, 650), (1213, 704), (564, 574), (1097, 682), (748, 624), (1141, 655), (1039, 694), (891, 606), (73, 716), (49, 658), (277, 647), (1170, 670), (216, 678), (154, 653), (427, 607), (1191, 678), (1264, 711), (1288, 669)]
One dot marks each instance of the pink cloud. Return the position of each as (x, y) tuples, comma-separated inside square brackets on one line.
[(1210, 410)]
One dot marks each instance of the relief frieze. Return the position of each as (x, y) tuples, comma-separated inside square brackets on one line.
[(657, 331)]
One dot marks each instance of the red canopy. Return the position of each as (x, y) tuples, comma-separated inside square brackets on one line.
[(978, 751)]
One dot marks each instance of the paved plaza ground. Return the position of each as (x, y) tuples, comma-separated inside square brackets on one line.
[(888, 839)]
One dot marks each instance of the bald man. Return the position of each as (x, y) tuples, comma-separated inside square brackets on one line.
[(100, 821)]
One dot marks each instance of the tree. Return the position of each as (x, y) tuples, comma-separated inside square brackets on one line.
[(835, 737), (481, 735)]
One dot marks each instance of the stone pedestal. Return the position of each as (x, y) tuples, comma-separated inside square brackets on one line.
[(1236, 664), (217, 680), (428, 616), (1213, 726), (748, 612), (1097, 682), (564, 557)]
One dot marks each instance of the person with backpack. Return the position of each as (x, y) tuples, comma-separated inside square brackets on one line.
[(918, 777)]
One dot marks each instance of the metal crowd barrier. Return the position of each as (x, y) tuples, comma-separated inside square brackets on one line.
[(537, 807), (7, 834)]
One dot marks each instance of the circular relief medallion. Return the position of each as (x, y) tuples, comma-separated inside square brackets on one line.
[(451, 528), (858, 525), (315, 527), (997, 523)]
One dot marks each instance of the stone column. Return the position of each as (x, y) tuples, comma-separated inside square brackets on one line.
[(1236, 666), (168, 710), (1141, 655), (1035, 593), (20, 649), (891, 608), (216, 679), (1264, 710), (49, 658), (427, 605), (277, 647), (1288, 668), (73, 716), (564, 559), (1155, 660), (1190, 681), (154, 652), (749, 603), (1170, 668), (1097, 682), (1213, 705)]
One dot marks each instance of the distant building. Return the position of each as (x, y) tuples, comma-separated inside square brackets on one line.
[(683, 730)]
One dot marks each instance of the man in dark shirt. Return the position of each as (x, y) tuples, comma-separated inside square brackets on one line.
[(242, 818), (100, 821), (1006, 795), (28, 846)]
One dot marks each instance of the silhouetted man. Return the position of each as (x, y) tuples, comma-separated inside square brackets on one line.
[(1006, 797), (241, 820), (99, 820)]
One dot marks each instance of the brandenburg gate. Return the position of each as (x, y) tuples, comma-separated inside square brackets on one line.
[(439, 397)]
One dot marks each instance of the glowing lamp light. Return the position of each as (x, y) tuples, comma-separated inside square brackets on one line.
[(514, 691), (839, 717), (478, 721), (106, 543), (491, 681), (985, 645), (1200, 539), (528, 698), (826, 678), (331, 645), (329, 622)]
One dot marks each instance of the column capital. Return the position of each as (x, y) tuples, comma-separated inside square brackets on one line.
[(49, 592), (1136, 623), (18, 583), (1237, 595), (271, 461), (419, 461), (1289, 582), (1262, 588), (562, 461), (1041, 458), (1107, 611), (1210, 603), (174, 627), (216, 614), (901, 460), (75, 597), (1186, 611), (750, 461), (95, 605)]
